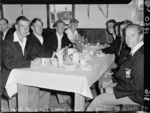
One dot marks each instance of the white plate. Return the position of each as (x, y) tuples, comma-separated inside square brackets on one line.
[(69, 67), (86, 67)]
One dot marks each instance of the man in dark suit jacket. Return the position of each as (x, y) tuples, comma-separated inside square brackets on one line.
[(58, 39), (123, 50), (15, 56), (36, 38), (9, 32), (111, 31), (4, 27), (127, 87), (36, 49), (6, 31)]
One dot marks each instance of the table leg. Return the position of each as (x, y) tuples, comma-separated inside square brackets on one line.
[(22, 98), (79, 102)]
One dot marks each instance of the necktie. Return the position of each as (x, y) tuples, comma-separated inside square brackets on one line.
[(120, 47)]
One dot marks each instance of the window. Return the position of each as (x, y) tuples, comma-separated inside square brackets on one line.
[(138, 11), (63, 12)]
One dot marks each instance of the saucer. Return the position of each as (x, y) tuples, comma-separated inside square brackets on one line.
[(99, 55), (85, 67), (69, 67)]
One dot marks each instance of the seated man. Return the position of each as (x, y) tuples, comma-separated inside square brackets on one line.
[(15, 56), (36, 49), (122, 50), (5, 28), (58, 39), (127, 87), (72, 30), (110, 29), (36, 38)]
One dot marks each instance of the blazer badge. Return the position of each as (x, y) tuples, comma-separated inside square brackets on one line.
[(128, 73)]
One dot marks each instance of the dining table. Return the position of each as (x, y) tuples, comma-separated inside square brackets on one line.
[(77, 80)]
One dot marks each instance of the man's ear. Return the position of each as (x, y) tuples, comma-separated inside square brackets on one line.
[(32, 28), (141, 37), (16, 26), (8, 25)]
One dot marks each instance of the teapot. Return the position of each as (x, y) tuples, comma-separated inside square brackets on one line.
[(74, 57), (67, 55)]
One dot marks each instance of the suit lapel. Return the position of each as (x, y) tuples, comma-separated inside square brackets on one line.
[(26, 52), (37, 40), (18, 48), (140, 50)]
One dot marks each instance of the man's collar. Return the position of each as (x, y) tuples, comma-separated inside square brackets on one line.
[(114, 36), (16, 38), (37, 35), (59, 34), (137, 47)]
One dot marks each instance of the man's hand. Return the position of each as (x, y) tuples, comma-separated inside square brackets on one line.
[(103, 81), (106, 83), (36, 62), (108, 73), (105, 46)]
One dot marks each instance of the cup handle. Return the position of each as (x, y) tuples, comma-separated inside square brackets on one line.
[(70, 56)]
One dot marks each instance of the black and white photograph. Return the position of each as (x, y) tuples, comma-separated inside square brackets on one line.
[(71, 56)]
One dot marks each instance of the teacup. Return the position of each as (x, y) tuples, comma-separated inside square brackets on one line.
[(45, 61), (83, 61), (71, 51), (54, 62)]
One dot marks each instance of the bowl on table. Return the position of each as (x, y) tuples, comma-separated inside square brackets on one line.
[(69, 66), (83, 61), (54, 62), (45, 61), (85, 67)]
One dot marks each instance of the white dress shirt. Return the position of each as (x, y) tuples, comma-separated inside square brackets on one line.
[(40, 38), (16, 39), (4, 34), (137, 47), (59, 40), (114, 36), (71, 35)]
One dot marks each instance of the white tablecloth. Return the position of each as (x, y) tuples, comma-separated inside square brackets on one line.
[(49, 77)]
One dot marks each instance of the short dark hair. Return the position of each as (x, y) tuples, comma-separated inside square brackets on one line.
[(125, 22), (57, 22), (73, 20), (139, 28), (117, 24), (111, 21), (35, 20), (4, 20), (21, 18)]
